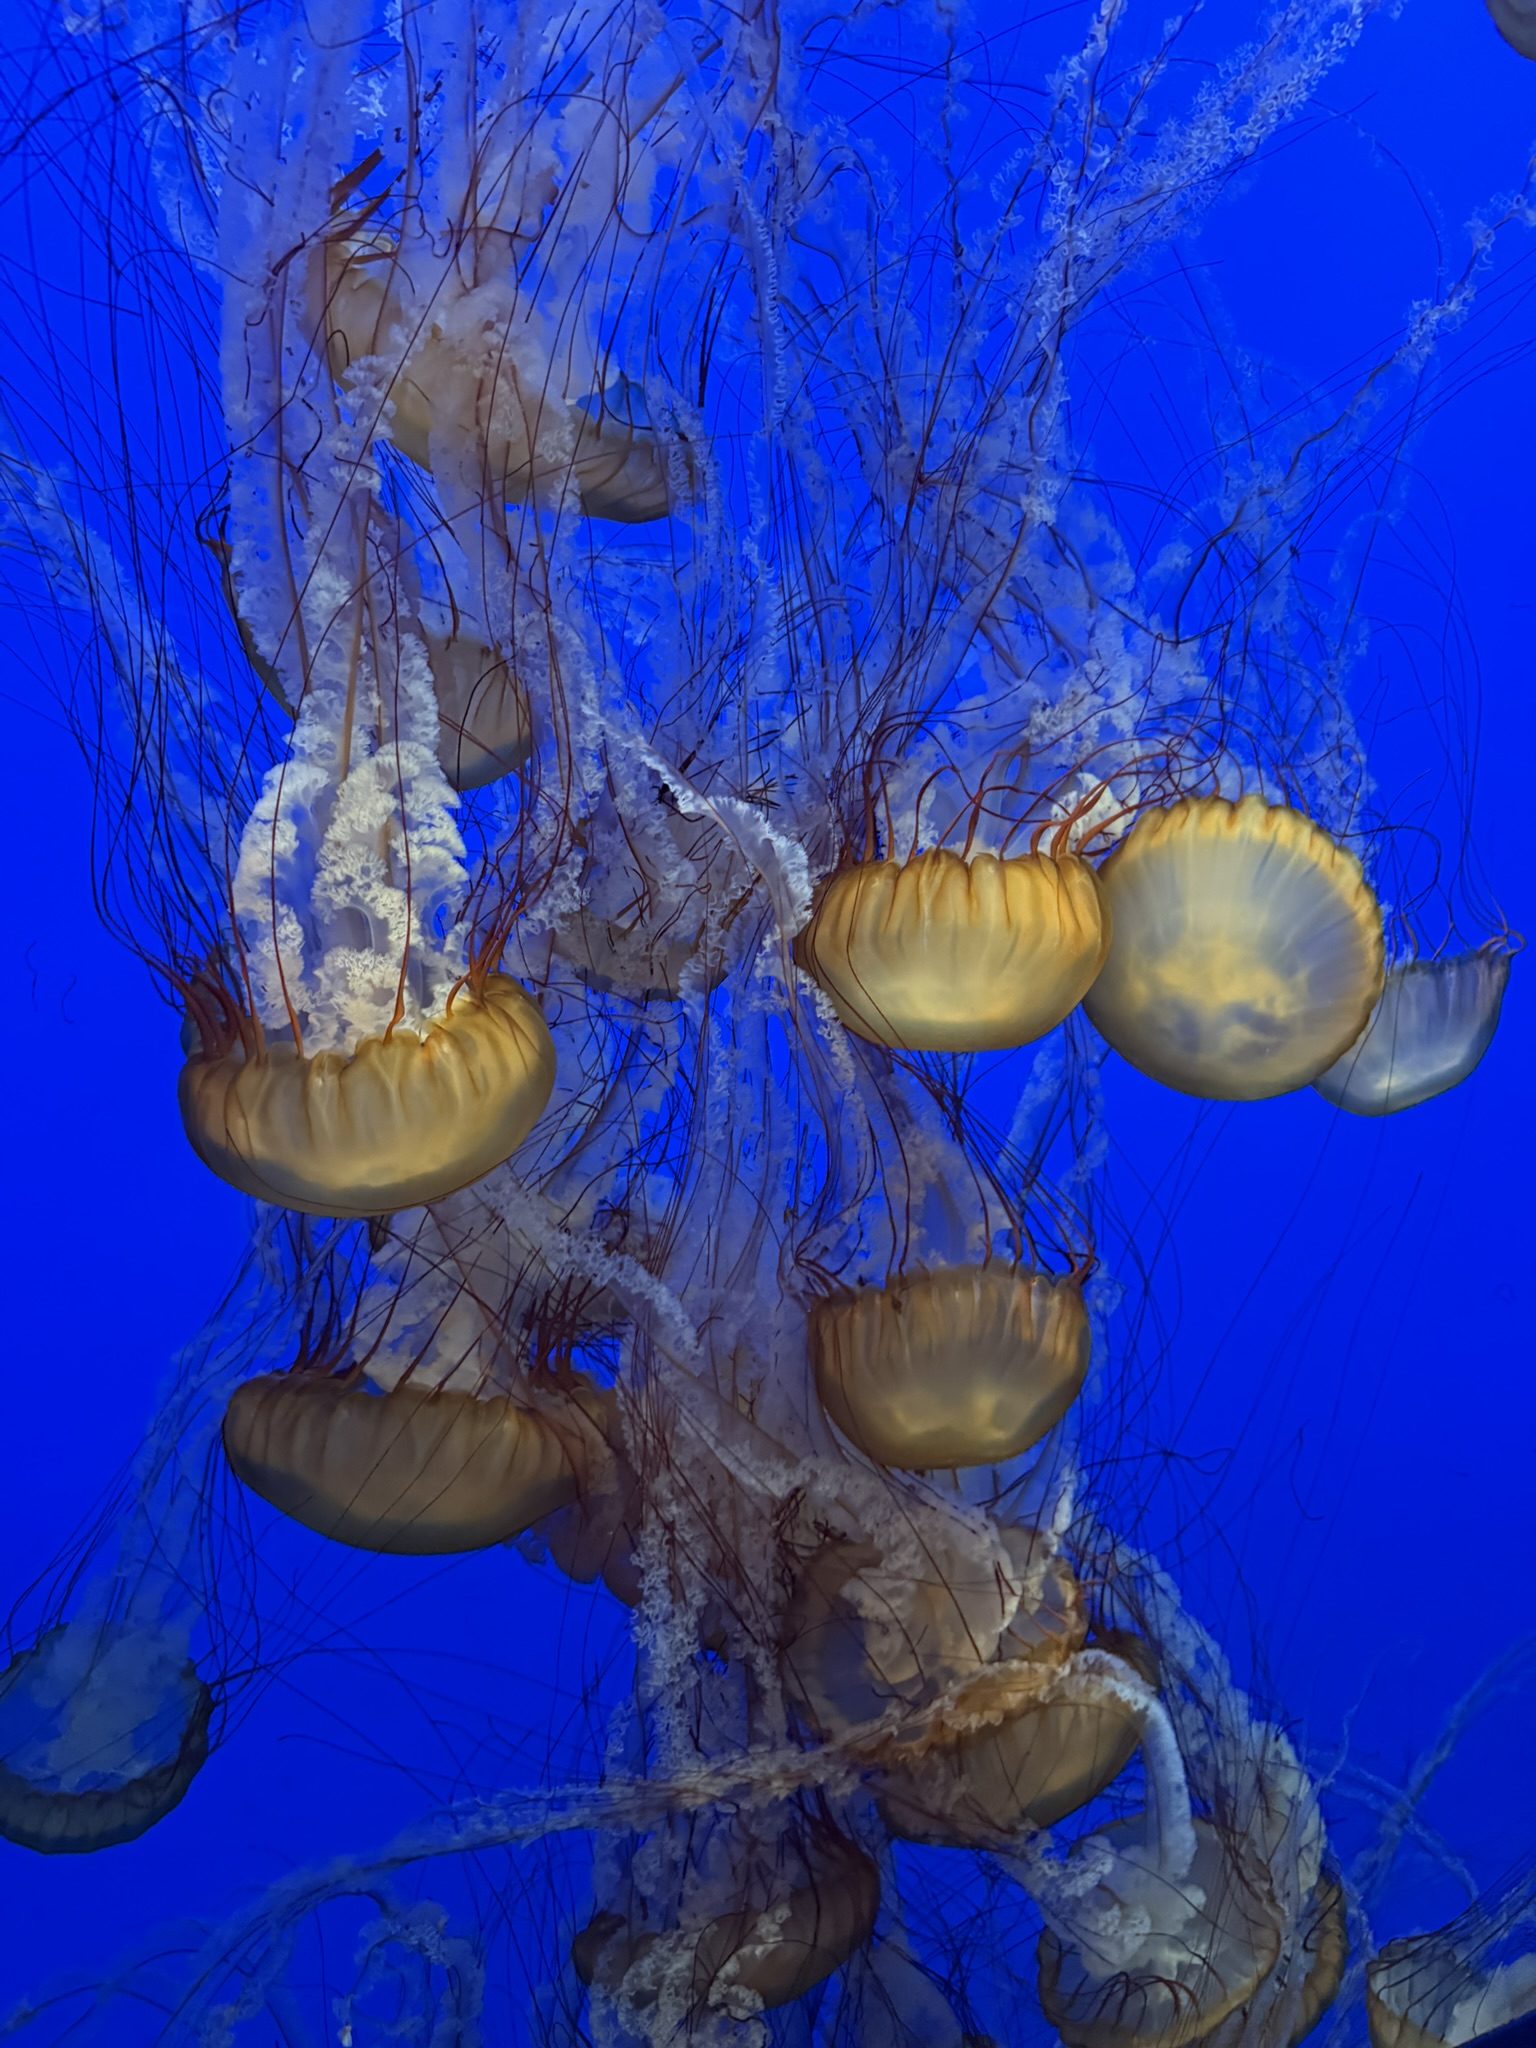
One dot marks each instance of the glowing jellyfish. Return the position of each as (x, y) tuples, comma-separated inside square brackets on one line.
[(1247, 951), (964, 1365), (1432, 1024), (102, 1730), (402, 1119), (947, 954)]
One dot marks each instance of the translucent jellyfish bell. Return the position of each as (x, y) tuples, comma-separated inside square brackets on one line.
[(763, 1920), (1247, 950), (418, 1472), (1318, 1960), (960, 1366), (1474, 1978), (1170, 1958), (477, 380), (102, 1729), (401, 1121), (1433, 1023), (944, 954), (1515, 21), (483, 724)]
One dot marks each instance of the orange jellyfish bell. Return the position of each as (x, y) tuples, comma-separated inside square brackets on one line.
[(418, 1472), (958, 1366), (799, 1906), (401, 1121), (944, 954), (101, 1733), (1205, 1943), (1434, 1022), (1284, 2018), (1247, 950)]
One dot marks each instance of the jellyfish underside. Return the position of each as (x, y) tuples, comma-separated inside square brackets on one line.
[(954, 1367), (1321, 1959), (1208, 1941), (402, 1121), (945, 954), (414, 1472), (1434, 1022), (101, 1733), (793, 1918), (1246, 954)]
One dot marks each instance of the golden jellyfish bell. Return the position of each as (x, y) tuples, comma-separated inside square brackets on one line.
[(1515, 21), (799, 1911), (484, 730), (1206, 1942), (1027, 1763), (957, 1366), (415, 1472), (1434, 1022), (71, 1785), (944, 954), (401, 1121), (1247, 951)]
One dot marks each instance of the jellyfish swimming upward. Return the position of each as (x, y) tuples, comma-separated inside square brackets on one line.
[(662, 744)]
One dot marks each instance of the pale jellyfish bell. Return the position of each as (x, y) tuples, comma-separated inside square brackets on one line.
[(1475, 1978), (103, 1726), (1431, 1027), (1247, 951)]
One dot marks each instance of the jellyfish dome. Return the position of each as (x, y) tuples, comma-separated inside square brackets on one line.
[(1516, 23), (1459, 1983), (1247, 949)]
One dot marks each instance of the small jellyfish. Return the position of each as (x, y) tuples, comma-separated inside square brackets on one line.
[(484, 731), (1247, 950), (959, 1366), (102, 1729), (403, 1120), (418, 1471), (1515, 21), (1434, 1022), (944, 954)]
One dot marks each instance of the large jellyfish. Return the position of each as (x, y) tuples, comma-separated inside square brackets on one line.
[(653, 764)]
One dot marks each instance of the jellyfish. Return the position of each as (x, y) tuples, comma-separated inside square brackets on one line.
[(1513, 21), (1432, 1023), (1473, 1979), (1247, 950), (957, 955)]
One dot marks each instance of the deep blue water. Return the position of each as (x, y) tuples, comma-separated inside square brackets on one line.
[(1347, 1393)]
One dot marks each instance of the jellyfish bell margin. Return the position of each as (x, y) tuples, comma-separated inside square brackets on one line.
[(402, 1121), (1433, 1023)]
